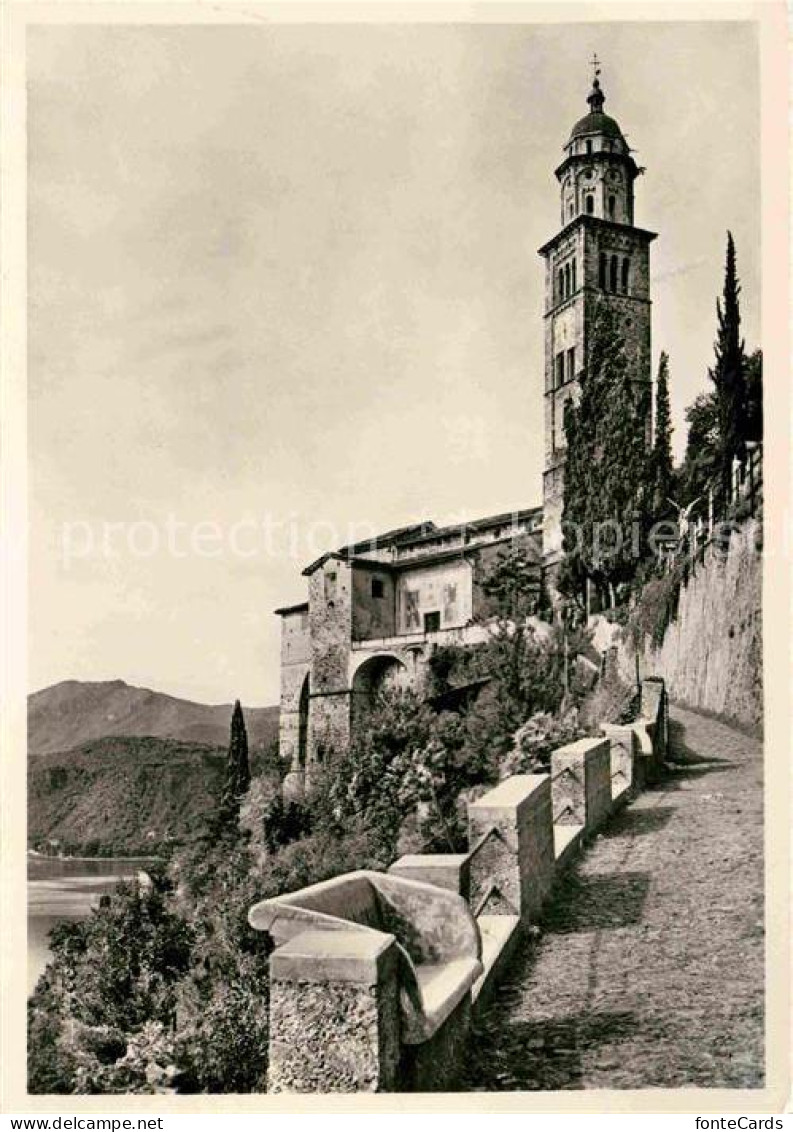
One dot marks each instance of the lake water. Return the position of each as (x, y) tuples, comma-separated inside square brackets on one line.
[(67, 888)]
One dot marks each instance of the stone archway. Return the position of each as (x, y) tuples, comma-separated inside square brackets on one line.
[(377, 674)]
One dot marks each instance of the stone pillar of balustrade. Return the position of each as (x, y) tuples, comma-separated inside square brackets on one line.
[(581, 783), (653, 707), (334, 1014), (445, 870), (510, 835), (623, 750)]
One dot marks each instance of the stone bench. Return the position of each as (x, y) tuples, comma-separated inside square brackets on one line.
[(438, 943)]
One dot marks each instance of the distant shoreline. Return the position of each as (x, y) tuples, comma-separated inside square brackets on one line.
[(110, 857)]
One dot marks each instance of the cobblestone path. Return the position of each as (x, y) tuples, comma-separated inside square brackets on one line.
[(649, 967)]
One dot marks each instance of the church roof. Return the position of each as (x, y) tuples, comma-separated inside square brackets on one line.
[(417, 535), (596, 123)]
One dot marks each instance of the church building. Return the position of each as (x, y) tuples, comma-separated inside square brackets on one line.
[(375, 611)]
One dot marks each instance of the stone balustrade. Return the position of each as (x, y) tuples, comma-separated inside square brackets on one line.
[(623, 750), (581, 783), (511, 831), (376, 977)]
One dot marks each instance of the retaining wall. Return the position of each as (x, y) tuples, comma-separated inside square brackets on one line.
[(711, 657)]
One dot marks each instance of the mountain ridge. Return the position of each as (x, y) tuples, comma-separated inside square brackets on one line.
[(65, 715)]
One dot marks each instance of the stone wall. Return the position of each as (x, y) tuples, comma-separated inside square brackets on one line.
[(711, 656), (330, 620), (295, 664), (293, 679), (373, 614)]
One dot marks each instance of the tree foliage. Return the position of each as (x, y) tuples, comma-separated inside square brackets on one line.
[(701, 462), (662, 470), (728, 377), (722, 421), (754, 397), (102, 1013), (606, 484), (238, 771)]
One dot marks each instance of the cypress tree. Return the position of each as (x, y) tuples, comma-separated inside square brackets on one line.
[(238, 773), (662, 476), (728, 377)]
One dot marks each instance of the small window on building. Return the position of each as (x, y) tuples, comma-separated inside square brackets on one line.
[(574, 282), (612, 206), (626, 270), (378, 589), (589, 146), (590, 203), (571, 363), (602, 272), (560, 286), (560, 369), (432, 622), (613, 274), (568, 290), (565, 415)]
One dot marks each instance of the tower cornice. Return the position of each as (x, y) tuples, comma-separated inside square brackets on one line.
[(588, 289), (594, 222)]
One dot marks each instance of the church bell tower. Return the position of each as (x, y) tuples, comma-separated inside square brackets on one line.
[(597, 256)]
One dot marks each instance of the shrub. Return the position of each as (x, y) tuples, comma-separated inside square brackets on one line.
[(655, 609), (611, 701), (536, 740), (112, 976), (406, 758)]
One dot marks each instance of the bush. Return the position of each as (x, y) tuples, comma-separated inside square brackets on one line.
[(165, 988), (113, 977), (655, 609), (536, 740), (406, 759), (612, 701)]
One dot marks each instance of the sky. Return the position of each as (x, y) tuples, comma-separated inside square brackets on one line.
[(284, 291)]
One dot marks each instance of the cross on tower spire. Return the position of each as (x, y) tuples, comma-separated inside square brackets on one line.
[(596, 97)]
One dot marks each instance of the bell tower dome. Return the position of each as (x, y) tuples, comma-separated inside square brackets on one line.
[(597, 173), (597, 256)]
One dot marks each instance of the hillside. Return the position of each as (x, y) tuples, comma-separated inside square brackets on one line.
[(67, 715), (122, 795)]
